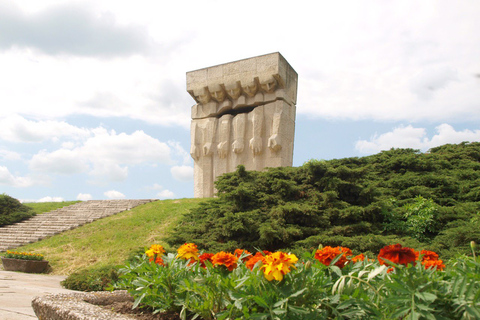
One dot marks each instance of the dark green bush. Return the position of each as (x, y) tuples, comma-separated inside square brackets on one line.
[(12, 211), (400, 195), (95, 279)]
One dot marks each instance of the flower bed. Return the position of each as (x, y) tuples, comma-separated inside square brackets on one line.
[(328, 283), (24, 262)]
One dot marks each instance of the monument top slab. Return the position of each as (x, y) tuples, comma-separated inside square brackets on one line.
[(244, 76)]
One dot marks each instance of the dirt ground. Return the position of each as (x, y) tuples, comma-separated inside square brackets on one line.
[(139, 313)]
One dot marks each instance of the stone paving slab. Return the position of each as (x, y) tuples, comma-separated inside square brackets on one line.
[(17, 290)]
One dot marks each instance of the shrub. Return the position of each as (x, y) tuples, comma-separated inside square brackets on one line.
[(400, 194), (97, 279), (12, 211)]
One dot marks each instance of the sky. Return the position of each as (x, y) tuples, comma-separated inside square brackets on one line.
[(93, 101)]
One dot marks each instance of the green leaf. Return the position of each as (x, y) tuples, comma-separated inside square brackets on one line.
[(473, 311), (335, 270), (296, 294), (280, 303), (298, 310), (426, 296), (261, 302), (376, 272), (279, 311), (138, 300)]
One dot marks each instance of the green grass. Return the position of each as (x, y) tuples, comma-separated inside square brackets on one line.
[(109, 241), (42, 207)]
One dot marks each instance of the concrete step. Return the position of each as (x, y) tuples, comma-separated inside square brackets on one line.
[(63, 219)]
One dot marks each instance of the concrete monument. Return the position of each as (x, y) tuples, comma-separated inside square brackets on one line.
[(244, 114)]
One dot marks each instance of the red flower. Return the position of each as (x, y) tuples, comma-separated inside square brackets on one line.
[(430, 259), (204, 257), (433, 263), (427, 255), (225, 258), (239, 252), (357, 258), (254, 259), (158, 260), (327, 254), (396, 254)]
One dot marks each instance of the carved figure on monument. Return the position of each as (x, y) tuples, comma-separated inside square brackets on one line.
[(244, 114)]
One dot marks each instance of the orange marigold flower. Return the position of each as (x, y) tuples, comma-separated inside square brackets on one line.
[(205, 257), (188, 251), (396, 254), (433, 263), (155, 250), (427, 255), (158, 260), (225, 258), (357, 258), (278, 264), (252, 261), (239, 252), (327, 254), (430, 259)]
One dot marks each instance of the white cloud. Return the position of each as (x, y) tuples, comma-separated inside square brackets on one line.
[(9, 155), (182, 173), (62, 161), (18, 129), (429, 81), (127, 149), (6, 178), (180, 151), (113, 194), (165, 194), (95, 35), (104, 156), (156, 186), (416, 138), (84, 196), (103, 172), (51, 199)]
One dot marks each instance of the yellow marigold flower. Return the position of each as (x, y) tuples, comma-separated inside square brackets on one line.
[(188, 251), (155, 249), (225, 258), (278, 264)]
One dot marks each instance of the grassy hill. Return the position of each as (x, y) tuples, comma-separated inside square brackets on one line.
[(109, 241), (421, 200), (42, 207)]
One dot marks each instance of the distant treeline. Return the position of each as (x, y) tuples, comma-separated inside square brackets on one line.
[(422, 200)]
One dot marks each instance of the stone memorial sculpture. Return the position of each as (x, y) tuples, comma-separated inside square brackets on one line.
[(244, 115)]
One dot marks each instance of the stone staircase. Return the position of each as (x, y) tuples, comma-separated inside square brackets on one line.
[(50, 223)]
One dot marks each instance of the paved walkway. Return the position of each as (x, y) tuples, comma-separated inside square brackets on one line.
[(18, 289)]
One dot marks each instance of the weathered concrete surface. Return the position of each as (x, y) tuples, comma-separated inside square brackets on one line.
[(17, 291), (79, 306)]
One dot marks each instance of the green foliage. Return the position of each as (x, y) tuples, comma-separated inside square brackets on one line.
[(421, 218), (12, 211), (311, 290), (400, 195), (155, 286), (94, 279)]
